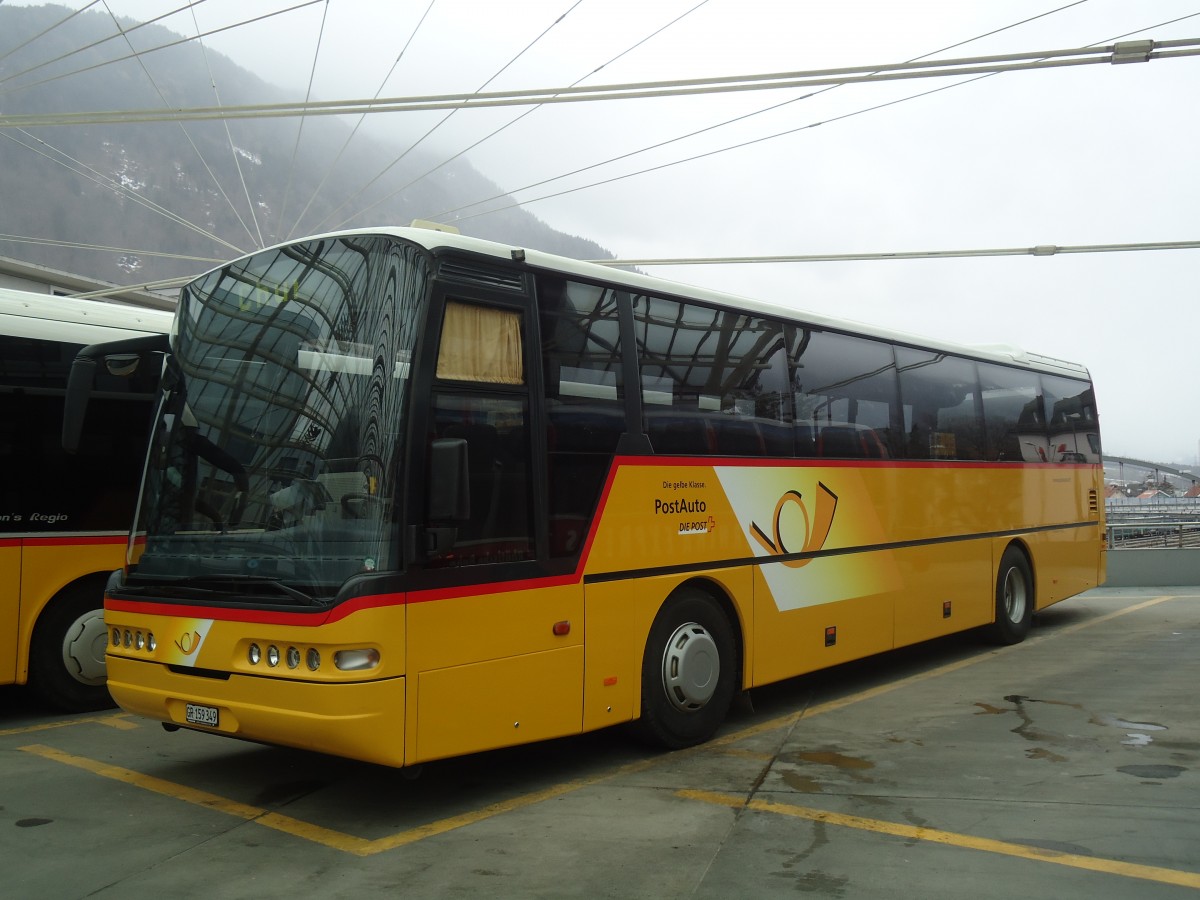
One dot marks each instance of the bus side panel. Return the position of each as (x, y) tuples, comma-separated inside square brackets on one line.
[(10, 607), (499, 703), (1072, 558), (793, 641), (48, 565), (463, 649), (619, 614), (959, 574)]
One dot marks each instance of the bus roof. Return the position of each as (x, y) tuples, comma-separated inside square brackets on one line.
[(433, 239), (46, 317)]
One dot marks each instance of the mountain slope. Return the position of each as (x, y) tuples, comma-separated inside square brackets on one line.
[(175, 199)]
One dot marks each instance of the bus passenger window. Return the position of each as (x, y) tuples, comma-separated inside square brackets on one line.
[(942, 408), (845, 396), (585, 401), (713, 381)]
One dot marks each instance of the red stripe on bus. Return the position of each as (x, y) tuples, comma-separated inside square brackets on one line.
[(254, 616), (76, 541)]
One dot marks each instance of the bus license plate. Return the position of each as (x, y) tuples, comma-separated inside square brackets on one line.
[(195, 714)]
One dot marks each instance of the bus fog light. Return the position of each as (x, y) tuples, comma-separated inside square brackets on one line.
[(356, 660), (272, 656), (313, 658), (254, 654), (293, 657)]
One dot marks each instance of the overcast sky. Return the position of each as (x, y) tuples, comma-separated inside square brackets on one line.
[(1088, 155)]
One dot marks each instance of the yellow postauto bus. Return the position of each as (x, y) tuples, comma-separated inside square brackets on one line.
[(411, 495), (64, 521)]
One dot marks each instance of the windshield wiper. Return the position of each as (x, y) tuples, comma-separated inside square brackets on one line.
[(206, 586)]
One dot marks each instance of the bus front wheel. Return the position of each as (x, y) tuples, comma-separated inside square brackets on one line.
[(66, 658), (688, 671), (1014, 598)]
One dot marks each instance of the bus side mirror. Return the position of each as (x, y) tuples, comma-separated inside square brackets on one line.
[(449, 499), (121, 358), (449, 482), (79, 390)]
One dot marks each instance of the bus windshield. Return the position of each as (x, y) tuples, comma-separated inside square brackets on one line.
[(276, 446)]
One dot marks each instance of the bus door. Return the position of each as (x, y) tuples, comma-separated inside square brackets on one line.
[(495, 652)]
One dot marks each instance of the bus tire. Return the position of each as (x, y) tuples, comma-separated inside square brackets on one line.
[(66, 656), (689, 671), (1014, 598)]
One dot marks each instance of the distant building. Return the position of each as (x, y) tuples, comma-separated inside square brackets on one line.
[(21, 276)]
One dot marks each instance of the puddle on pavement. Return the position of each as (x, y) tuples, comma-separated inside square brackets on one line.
[(1043, 753), (802, 783), (1155, 773), (830, 758), (852, 765)]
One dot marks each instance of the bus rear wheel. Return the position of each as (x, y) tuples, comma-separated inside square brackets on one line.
[(688, 671), (66, 663), (1014, 598)]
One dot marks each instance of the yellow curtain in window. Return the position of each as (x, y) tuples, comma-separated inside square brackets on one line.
[(480, 343)]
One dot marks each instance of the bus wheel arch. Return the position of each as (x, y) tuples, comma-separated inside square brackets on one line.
[(691, 667), (66, 654), (1016, 595)]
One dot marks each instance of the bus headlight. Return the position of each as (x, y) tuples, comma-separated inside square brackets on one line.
[(356, 660), (254, 654)]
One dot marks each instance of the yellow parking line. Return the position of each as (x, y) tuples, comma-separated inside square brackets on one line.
[(950, 838), (320, 835), (121, 722), (111, 719), (335, 840)]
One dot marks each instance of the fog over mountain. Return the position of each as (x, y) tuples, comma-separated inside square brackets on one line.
[(161, 193)]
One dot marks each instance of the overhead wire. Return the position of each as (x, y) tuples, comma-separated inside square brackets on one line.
[(162, 97), (741, 118), (875, 108), (79, 245), (532, 110), (155, 49), (876, 73), (312, 74), (212, 80), (48, 62), (447, 117), (9, 52), (110, 184), (1039, 250), (332, 167)]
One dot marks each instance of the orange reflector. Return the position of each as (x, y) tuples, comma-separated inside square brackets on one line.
[(830, 635), (610, 680), (561, 628)]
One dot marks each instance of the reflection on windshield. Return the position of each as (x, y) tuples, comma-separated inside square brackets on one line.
[(275, 454)]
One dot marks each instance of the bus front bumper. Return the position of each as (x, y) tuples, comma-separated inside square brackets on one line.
[(361, 720)]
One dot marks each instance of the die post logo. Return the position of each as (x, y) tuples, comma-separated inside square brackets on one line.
[(784, 539)]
